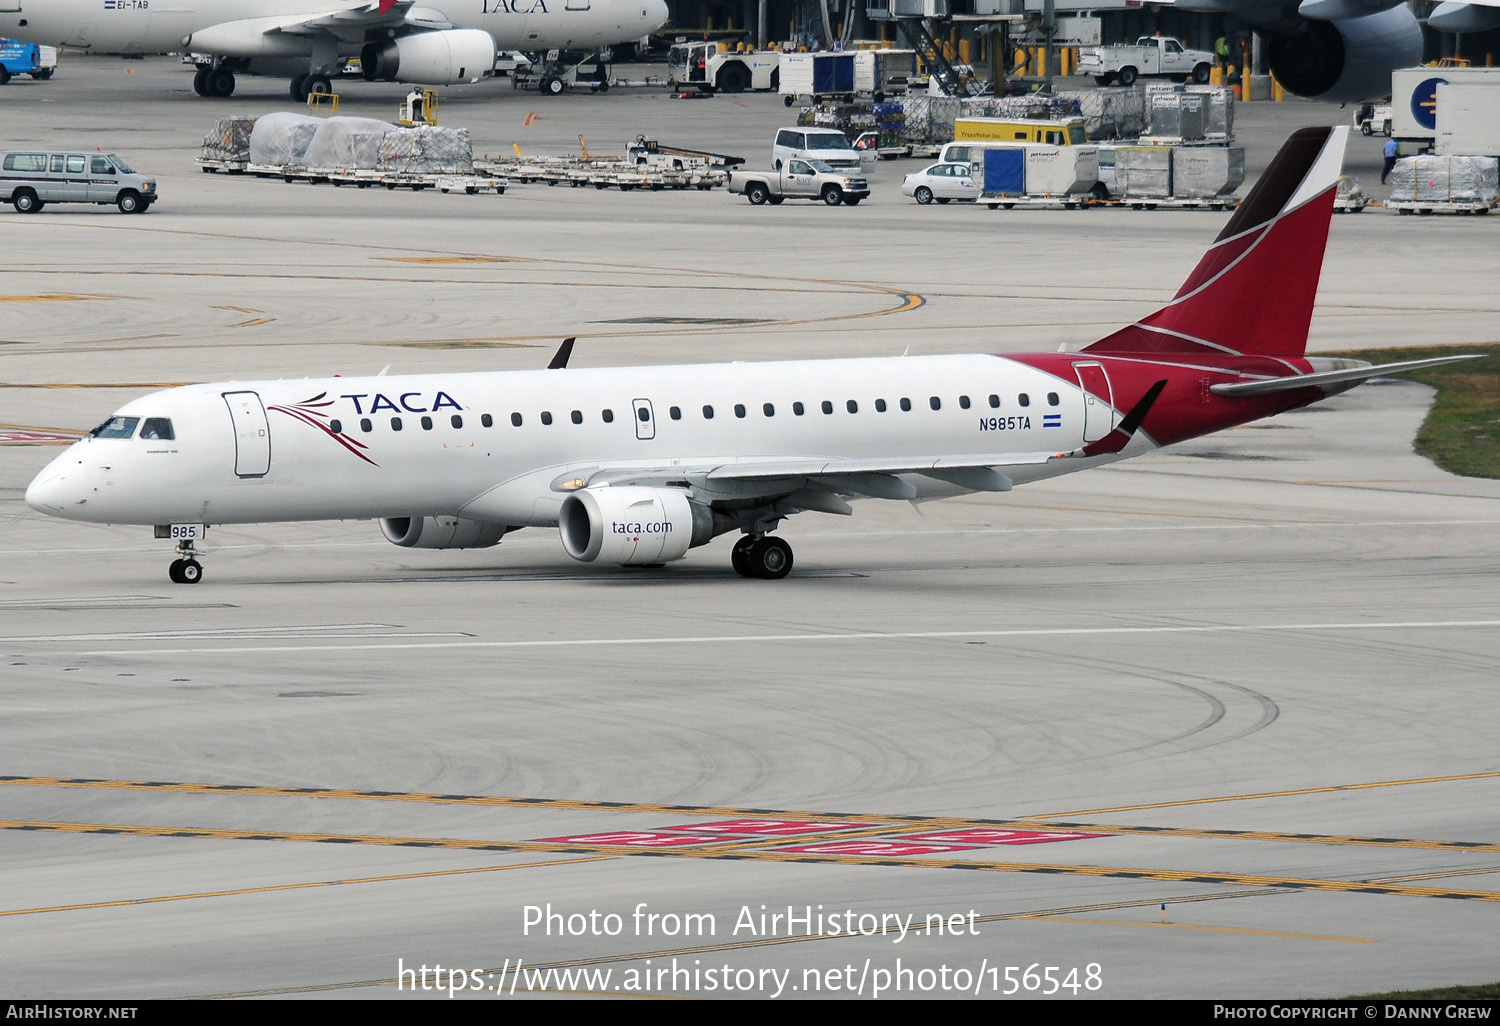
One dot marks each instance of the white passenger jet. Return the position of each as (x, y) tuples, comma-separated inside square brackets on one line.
[(395, 40), (638, 465)]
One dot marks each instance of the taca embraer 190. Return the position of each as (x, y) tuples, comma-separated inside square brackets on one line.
[(638, 465)]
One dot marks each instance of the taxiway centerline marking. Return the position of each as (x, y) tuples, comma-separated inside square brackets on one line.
[(270, 888), (727, 639)]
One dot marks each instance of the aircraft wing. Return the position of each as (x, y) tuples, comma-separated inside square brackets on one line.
[(770, 477), (349, 24)]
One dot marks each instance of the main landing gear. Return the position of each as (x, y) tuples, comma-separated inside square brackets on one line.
[(185, 569), (762, 556)]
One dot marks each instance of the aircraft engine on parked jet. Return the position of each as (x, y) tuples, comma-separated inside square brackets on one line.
[(1347, 60), (431, 58), (634, 525), (441, 532)]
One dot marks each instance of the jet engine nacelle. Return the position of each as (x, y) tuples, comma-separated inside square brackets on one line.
[(441, 532), (635, 525), (1350, 60), (431, 58)]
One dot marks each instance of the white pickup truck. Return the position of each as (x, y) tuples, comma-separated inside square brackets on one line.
[(1151, 55), (800, 179)]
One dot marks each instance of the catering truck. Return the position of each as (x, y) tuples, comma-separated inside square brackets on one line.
[(1150, 56)]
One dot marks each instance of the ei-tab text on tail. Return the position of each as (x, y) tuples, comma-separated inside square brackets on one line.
[(639, 466)]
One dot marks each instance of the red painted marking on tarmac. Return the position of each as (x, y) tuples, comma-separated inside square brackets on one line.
[(893, 849), (989, 836), (770, 827), (36, 436)]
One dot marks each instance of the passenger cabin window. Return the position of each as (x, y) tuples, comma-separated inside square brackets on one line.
[(1024, 399), (57, 163), (935, 403), (515, 420), (365, 425), (336, 426), (798, 409), (739, 410), (75, 165), (546, 417), (456, 421), (487, 420), (827, 406), (905, 405), (608, 416), (708, 413), (879, 405), (963, 402), (426, 423), (26, 162), (100, 166), (157, 428), (1052, 399), (395, 423), (994, 402), (116, 427), (576, 416), (769, 410), (852, 406), (675, 412)]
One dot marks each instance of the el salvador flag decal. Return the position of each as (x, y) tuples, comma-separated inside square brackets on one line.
[(1051, 420)]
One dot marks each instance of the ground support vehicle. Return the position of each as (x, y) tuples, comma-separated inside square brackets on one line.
[(30, 179), (710, 67), (679, 158), (1149, 56), (560, 70), (1181, 203), (367, 178), (18, 58), (1371, 118), (800, 179), (845, 74), (617, 173), (1349, 198)]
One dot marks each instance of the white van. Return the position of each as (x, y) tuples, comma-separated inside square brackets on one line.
[(826, 144), (30, 179)]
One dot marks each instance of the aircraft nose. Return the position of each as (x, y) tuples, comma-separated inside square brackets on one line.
[(656, 13), (45, 493)]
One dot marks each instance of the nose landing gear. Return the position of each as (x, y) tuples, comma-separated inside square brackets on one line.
[(185, 569)]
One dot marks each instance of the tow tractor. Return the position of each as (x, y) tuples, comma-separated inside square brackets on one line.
[(564, 69)]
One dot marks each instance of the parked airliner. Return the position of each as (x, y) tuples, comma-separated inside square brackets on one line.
[(448, 41), (639, 465)]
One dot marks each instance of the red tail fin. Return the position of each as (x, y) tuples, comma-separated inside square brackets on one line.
[(1253, 291)]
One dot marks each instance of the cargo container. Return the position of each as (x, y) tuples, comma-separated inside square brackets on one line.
[(845, 74)]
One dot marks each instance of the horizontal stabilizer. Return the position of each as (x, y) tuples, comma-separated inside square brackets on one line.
[(1349, 377)]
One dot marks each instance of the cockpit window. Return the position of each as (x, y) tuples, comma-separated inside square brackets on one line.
[(157, 428), (116, 427)]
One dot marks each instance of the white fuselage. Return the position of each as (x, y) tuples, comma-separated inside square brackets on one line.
[(245, 452), (147, 26)]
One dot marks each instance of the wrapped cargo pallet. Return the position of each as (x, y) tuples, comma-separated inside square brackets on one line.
[(1207, 171), (281, 139), (348, 143), (229, 140), (1432, 179), (929, 119), (1110, 113), (1143, 172), (427, 150)]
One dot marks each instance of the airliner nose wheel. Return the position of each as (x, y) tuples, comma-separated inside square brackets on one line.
[(185, 569), (766, 557)]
